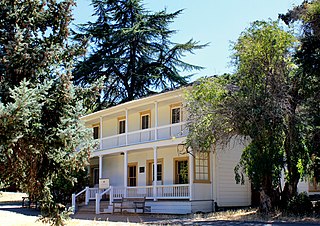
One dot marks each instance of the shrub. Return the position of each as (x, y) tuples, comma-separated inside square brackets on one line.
[(300, 204)]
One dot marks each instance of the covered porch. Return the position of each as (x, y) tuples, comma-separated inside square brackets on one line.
[(156, 198), (157, 173)]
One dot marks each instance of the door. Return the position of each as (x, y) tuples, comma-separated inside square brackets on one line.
[(132, 174), (150, 174), (95, 176)]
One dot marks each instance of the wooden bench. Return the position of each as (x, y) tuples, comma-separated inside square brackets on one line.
[(129, 203), (27, 202)]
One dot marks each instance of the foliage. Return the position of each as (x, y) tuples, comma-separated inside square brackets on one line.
[(131, 47), (33, 38), (300, 204), (264, 70), (41, 139), (62, 188), (40, 133), (208, 120), (253, 103), (307, 58)]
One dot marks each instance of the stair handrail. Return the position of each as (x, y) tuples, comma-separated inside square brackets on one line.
[(74, 197), (99, 196)]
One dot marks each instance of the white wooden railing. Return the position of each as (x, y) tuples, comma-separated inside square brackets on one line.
[(176, 191), (99, 196), (92, 193), (74, 198), (146, 135), (89, 194)]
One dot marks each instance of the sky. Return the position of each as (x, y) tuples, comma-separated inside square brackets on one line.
[(217, 22)]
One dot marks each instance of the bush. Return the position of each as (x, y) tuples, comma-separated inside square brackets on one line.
[(300, 204), (317, 208)]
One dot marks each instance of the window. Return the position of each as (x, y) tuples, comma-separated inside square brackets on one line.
[(95, 132), (181, 171), (175, 113), (314, 186), (122, 125), (132, 174), (150, 176), (202, 167), (145, 120)]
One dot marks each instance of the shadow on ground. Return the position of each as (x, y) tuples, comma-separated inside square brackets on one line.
[(16, 208)]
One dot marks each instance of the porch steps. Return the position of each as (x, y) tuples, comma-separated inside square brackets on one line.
[(91, 207)]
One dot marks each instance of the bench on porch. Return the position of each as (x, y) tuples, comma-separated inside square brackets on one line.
[(129, 203), (28, 202)]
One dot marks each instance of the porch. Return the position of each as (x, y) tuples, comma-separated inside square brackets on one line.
[(157, 198)]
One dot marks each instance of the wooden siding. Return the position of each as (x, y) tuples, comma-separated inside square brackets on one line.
[(228, 192)]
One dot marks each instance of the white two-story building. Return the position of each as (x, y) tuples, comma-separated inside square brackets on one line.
[(142, 154)]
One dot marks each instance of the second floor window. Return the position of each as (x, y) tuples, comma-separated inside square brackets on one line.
[(145, 120), (95, 132), (175, 115), (122, 125)]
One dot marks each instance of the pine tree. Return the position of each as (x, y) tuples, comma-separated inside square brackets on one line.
[(41, 135), (131, 47)]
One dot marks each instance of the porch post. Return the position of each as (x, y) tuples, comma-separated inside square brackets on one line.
[(126, 125), (100, 166), (155, 168), (191, 176), (100, 128), (125, 173), (156, 120)]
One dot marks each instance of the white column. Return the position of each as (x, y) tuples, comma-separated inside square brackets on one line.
[(191, 173), (127, 126), (100, 166), (100, 128), (155, 163), (156, 120), (125, 170)]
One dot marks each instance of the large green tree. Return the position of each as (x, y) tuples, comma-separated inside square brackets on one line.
[(131, 47), (307, 57), (253, 103), (41, 136)]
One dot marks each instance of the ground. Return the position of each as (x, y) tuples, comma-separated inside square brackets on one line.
[(12, 214)]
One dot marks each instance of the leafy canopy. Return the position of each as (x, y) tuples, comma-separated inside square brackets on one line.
[(253, 103), (42, 138)]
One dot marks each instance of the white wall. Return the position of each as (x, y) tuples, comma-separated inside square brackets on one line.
[(113, 165), (113, 169), (228, 193)]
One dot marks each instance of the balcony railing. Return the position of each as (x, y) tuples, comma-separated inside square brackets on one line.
[(146, 135), (176, 191)]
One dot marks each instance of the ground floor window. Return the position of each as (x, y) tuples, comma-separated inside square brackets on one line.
[(202, 167), (181, 170), (132, 174)]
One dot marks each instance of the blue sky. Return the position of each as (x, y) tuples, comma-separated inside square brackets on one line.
[(218, 22)]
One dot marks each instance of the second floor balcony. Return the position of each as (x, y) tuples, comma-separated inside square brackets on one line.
[(154, 134), (151, 119)]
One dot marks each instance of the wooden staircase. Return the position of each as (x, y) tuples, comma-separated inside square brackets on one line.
[(91, 207)]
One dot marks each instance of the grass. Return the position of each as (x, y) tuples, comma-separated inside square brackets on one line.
[(252, 214)]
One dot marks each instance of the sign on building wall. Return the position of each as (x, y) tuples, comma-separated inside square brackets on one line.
[(104, 183)]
